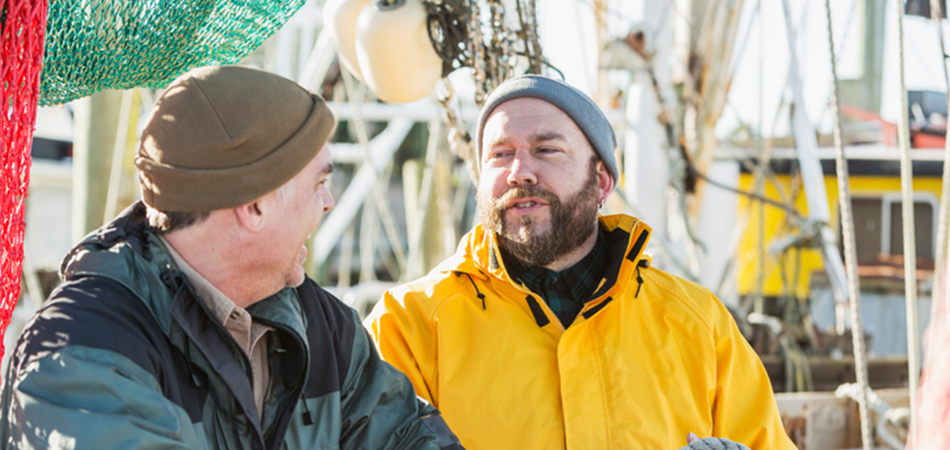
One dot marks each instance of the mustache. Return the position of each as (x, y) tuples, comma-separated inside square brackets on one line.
[(517, 192)]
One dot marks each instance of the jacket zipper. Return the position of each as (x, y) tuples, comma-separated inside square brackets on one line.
[(293, 395), (547, 309)]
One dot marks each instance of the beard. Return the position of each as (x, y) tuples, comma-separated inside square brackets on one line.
[(572, 222)]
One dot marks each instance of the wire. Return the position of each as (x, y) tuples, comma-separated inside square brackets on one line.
[(788, 209)]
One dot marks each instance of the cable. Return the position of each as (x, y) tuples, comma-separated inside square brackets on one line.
[(788, 209)]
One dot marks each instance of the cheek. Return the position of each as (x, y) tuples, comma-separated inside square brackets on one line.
[(492, 184)]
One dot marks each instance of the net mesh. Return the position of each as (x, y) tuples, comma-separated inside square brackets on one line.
[(119, 44), (21, 39)]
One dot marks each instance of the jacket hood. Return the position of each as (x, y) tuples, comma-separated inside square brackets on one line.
[(478, 255), (126, 252)]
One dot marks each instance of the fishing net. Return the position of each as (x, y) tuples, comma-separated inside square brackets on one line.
[(119, 44), (21, 39)]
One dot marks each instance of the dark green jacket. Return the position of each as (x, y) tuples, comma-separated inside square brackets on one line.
[(124, 355)]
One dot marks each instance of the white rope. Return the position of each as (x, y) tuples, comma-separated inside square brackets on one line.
[(910, 241), (850, 252), (939, 290), (939, 297)]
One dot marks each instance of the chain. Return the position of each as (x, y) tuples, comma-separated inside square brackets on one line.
[(501, 44), (529, 28), (479, 72)]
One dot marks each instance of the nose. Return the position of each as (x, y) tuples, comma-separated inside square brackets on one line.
[(328, 202), (522, 171)]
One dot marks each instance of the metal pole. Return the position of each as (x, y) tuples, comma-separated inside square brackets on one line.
[(118, 155), (96, 117)]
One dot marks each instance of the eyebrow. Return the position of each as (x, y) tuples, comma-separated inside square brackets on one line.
[(542, 137), (549, 136), (328, 169)]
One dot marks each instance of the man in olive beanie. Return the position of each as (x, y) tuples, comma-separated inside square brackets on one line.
[(549, 328), (188, 321)]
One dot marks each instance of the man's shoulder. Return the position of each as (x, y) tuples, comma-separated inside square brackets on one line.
[(318, 303), (94, 312), (435, 288), (674, 283), (662, 286)]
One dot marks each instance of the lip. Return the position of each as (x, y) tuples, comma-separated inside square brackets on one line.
[(538, 204)]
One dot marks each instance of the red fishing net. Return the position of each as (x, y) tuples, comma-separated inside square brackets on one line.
[(23, 25)]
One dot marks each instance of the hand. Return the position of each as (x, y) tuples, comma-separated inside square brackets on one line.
[(695, 443)]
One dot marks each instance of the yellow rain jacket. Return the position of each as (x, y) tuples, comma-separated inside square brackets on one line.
[(651, 358)]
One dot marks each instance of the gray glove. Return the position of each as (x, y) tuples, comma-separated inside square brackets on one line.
[(712, 443)]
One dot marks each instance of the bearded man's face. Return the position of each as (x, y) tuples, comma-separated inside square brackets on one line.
[(539, 239)]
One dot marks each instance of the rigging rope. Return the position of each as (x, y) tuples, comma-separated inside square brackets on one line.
[(22, 28), (939, 297), (850, 251), (934, 389), (910, 242)]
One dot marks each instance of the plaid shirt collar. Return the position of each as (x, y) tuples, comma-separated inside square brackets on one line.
[(567, 291)]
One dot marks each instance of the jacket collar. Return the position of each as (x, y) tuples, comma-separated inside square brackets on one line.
[(478, 253)]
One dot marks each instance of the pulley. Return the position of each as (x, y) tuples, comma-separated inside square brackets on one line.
[(394, 51)]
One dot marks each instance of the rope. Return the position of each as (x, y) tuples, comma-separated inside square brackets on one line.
[(850, 251), (910, 242), (759, 174), (939, 292)]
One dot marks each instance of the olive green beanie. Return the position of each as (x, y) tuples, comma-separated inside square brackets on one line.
[(221, 137)]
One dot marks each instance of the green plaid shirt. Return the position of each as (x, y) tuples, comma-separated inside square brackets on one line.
[(567, 291)]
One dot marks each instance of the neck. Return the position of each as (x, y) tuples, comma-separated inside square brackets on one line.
[(217, 254)]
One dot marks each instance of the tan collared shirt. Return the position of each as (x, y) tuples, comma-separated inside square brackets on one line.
[(248, 334)]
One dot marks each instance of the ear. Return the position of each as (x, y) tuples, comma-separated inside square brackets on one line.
[(605, 181), (251, 216)]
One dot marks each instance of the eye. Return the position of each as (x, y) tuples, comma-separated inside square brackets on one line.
[(548, 150), (499, 154)]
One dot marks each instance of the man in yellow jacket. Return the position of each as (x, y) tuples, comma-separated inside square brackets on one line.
[(548, 328)]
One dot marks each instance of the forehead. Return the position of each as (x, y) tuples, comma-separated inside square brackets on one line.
[(531, 119), (318, 164), (528, 114), (525, 112)]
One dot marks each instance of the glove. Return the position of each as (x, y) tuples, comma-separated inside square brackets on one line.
[(712, 443)]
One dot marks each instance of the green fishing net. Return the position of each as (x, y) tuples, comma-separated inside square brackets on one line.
[(93, 45)]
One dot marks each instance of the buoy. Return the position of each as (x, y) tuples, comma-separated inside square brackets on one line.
[(394, 51), (339, 18)]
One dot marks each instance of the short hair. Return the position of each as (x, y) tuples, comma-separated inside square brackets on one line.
[(162, 222)]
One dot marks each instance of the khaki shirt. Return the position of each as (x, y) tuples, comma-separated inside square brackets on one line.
[(248, 334)]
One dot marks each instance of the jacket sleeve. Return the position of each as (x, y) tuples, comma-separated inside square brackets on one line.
[(381, 409), (745, 410), (407, 340), (81, 397)]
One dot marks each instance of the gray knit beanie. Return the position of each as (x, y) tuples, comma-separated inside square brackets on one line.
[(577, 105), (222, 137)]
